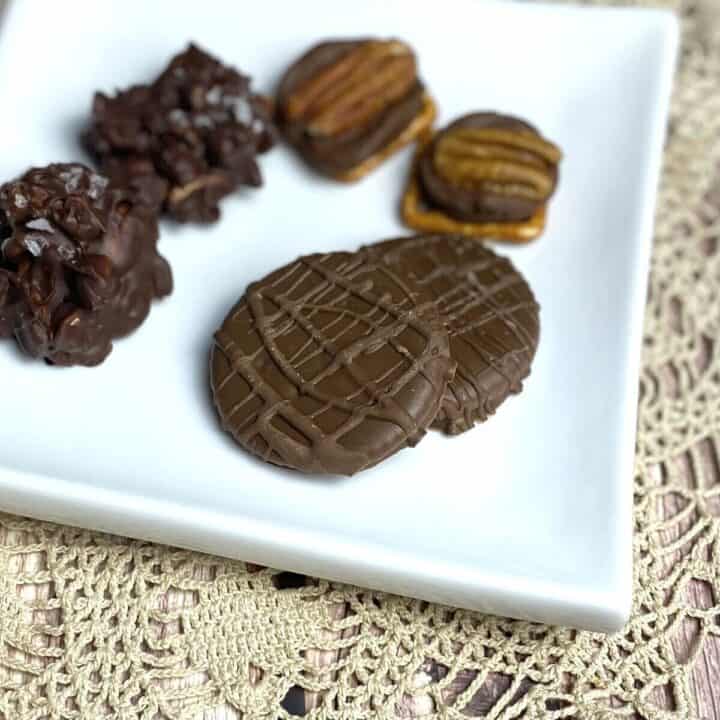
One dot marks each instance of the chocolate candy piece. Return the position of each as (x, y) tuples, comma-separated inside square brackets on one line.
[(347, 104), (488, 168), (329, 365), (491, 316), (484, 175), (187, 140), (79, 264)]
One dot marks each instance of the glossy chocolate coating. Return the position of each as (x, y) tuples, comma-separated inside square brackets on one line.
[(329, 365), (185, 141), (337, 154), (491, 316), (479, 202), (79, 264)]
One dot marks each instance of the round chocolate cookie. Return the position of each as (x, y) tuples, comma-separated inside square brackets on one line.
[(329, 365), (487, 167), (491, 316), (345, 101), (78, 264)]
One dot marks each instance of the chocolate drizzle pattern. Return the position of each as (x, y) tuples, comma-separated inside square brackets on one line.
[(491, 315), (329, 365)]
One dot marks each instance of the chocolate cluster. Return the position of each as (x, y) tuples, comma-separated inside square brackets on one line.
[(78, 264), (185, 141)]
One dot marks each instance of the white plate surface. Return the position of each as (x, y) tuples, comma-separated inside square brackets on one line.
[(528, 515)]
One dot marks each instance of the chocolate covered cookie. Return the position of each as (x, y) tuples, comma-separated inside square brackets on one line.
[(78, 264), (485, 175), (330, 364), (491, 316), (185, 141), (347, 105)]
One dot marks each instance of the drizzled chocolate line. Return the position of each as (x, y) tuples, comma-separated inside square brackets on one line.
[(491, 348), (329, 365), (491, 317)]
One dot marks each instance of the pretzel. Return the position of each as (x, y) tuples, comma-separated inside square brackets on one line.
[(418, 216)]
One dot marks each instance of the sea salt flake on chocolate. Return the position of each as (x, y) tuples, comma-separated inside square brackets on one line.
[(203, 121), (214, 95), (97, 186), (240, 108), (178, 117), (66, 250), (20, 200), (40, 224), (35, 244), (71, 178)]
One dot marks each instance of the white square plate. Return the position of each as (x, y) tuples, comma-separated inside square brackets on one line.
[(528, 515)]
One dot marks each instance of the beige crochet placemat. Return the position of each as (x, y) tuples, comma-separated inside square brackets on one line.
[(93, 626)]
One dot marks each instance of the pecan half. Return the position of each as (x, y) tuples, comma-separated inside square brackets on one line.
[(510, 162), (349, 92)]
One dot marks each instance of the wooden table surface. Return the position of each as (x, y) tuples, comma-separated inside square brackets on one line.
[(705, 674)]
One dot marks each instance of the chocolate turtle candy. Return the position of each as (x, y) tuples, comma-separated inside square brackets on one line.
[(485, 175), (346, 105)]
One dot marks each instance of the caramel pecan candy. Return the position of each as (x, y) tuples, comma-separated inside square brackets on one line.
[(346, 105), (509, 163), (487, 168)]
